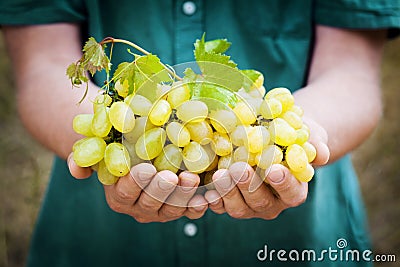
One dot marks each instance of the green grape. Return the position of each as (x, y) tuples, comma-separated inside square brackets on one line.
[(195, 158), (281, 132), (239, 135), (104, 176), (103, 100), (89, 151), (160, 112), (135, 160), (302, 136), (223, 121), (178, 134), (245, 114), (82, 124), (200, 132), (272, 154), (169, 159), (179, 94), (139, 104), (242, 154), (296, 158), (283, 95), (260, 81), (192, 111), (221, 144), (257, 92), (142, 124), (293, 119), (162, 90), (150, 144), (211, 156), (116, 158), (225, 162), (258, 137), (310, 150), (255, 104), (101, 124), (121, 117), (305, 175), (122, 89), (270, 108), (298, 110)]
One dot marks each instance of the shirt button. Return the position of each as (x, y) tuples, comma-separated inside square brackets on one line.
[(190, 229), (189, 8)]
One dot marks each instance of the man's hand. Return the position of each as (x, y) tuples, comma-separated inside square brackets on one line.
[(149, 196), (241, 192)]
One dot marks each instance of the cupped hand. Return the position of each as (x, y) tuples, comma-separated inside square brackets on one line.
[(151, 196)]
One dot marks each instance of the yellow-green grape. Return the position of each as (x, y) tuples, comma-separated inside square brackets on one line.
[(195, 158), (221, 144), (135, 160), (305, 175), (101, 124), (169, 159), (211, 156), (162, 90), (310, 150), (239, 135), (272, 154), (121, 117), (223, 121), (258, 137), (104, 176), (77, 143), (298, 110), (82, 124), (142, 124), (302, 136), (192, 111), (270, 108), (89, 151), (283, 95), (225, 162), (260, 80), (200, 132), (242, 154), (178, 94), (245, 114), (281, 132), (178, 134), (122, 88), (296, 158), (255, 104), (139, 104), (243, 95), (117, 160), (208, 181), (160, 112), (150, 144), (293, 119), (103, 100)]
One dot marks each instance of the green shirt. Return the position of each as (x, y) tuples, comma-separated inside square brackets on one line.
[(77, 228)]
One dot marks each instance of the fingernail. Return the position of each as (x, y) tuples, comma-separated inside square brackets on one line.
[(187, 184), (240, 177), (224, 182), (144, 176), (215, 202), (165, 185), (276, 176), (199, 208)]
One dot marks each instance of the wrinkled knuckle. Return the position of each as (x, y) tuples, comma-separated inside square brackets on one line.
[(261, 205), (146, 205), (122, 194), (115, 206), (238, 213), (171, 212)]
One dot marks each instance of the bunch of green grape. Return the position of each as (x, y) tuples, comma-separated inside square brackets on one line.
[(177, 133)]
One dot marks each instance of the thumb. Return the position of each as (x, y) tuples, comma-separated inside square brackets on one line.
[(76, 171)]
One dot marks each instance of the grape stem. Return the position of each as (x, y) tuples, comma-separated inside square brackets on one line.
[(116, 40)]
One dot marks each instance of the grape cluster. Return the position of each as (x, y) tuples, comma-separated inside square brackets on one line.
[(179, 132)]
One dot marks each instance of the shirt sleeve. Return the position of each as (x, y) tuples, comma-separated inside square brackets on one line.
[(24, 12), (359, 14)]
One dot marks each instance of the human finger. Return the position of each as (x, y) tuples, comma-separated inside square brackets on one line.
[(76, 171), (197, 206), (215, 201)]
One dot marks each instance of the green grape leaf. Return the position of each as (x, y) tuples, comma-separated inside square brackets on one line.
[(217, 46), (149, 68), (126, 71), (250, 76), (214, 96), (94, 57), (77, 74), (216, 67)]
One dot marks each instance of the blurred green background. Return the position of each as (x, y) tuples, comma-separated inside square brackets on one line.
[(25, 167)]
